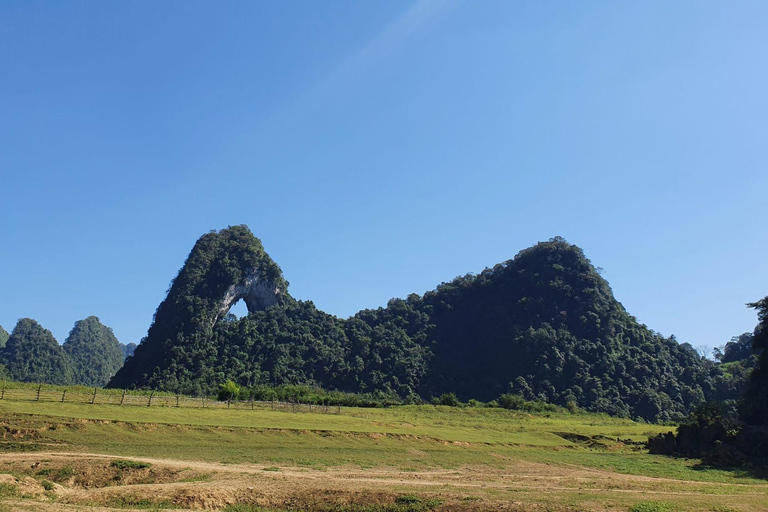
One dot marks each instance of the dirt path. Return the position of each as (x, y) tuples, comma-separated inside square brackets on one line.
[(93, 479)]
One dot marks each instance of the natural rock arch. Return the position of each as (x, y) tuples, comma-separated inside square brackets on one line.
[(222, 268), (257, 293)]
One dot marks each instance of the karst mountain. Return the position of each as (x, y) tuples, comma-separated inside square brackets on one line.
[(544, 325)]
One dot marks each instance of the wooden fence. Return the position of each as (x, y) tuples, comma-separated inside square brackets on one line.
[(151, 399)]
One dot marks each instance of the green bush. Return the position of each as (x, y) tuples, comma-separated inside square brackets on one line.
[(130, 464), (518, 403), (510, 401), (448, 399), (228, 391)]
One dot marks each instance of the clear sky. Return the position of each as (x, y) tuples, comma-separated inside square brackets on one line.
[(380, 148)]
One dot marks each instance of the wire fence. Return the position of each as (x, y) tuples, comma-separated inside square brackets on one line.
[(42, 393)]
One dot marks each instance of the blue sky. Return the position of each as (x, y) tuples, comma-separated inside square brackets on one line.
[(380, 148)]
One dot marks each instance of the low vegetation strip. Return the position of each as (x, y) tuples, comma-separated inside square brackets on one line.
[(26, 392), (471, 425)]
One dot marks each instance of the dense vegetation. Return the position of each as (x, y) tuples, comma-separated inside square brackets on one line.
[(3, 337), (180, 351), (90, 356), (544, 326), (33, 355), (715, 431), (94, 351), (754, 406)]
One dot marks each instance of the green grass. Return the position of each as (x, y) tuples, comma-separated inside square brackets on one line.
[(473, 425), (653, 506), (137, 502), (398, 506), (8, 490), (407, 438)]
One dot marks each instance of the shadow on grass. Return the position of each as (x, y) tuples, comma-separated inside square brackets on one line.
[(752, 468)]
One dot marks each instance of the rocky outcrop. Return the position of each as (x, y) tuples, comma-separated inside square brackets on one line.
[(222, 268), (257, 293)]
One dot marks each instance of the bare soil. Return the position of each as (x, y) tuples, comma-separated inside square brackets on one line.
[(85, 481)]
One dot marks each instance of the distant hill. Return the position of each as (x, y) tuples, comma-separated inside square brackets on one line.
[(32, 354), (544, 325), (94, 352), (90, 356), (128, 349)]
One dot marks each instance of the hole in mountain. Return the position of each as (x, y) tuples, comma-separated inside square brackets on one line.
[(239, 309)]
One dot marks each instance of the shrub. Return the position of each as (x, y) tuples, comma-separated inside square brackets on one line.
[(228, 391), (510, 401), (130, 464), (448, 399)]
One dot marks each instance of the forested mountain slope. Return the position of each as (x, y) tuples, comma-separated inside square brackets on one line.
[(544, 325), (94, 351), (90, 356), (180, 350), (32, 354)]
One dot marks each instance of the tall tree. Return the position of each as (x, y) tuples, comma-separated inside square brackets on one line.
[(32, 354), (95, 353)]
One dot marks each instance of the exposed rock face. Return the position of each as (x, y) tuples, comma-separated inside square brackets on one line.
[(223, 267), (257, 293)]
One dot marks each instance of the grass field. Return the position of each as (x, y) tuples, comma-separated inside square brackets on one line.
[(437, 457)]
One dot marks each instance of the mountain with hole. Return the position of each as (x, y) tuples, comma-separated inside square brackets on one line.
[(544, 325)]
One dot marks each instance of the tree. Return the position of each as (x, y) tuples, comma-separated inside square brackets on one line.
[(228, 391), (738, 349)]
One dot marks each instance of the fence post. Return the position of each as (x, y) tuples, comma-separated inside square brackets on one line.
[(38, 392), (177, 399), (93, 398), (122, 398), (63, 395), (203, 401), (228, 400), (251, 403), (3, 393), (149, 404)]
